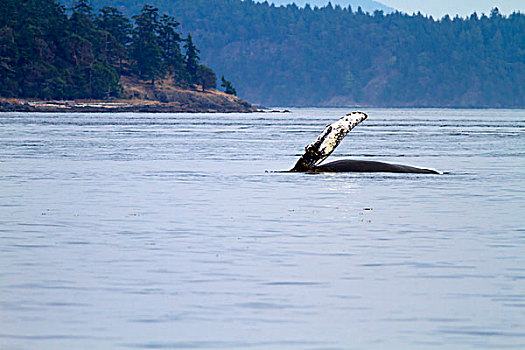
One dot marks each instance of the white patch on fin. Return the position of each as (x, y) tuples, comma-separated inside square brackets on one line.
[(333, 134)]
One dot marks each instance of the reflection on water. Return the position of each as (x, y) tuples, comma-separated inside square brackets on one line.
[(164, 231)]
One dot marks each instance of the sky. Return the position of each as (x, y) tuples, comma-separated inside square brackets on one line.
[(438, 8)]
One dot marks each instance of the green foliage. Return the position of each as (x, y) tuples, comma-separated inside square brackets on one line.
[(191, 59), (145, 44), (116, 28), (82, 7), (104, 82), (169, 41), (206, 77), (46, 53), (228, 87)]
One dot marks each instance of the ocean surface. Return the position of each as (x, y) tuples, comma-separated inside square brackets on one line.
[(164, 231)]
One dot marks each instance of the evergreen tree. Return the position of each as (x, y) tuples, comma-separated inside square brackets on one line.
[(8, 62), (82, 24), (228, 87), (92, 75), (206, 77), (83, 7), (191, 59), (116, 28), (169, 41), (146, 50)]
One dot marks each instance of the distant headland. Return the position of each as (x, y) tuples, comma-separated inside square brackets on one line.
[(138, 96)]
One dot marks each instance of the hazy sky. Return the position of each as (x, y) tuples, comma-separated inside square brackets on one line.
[(438, 8)]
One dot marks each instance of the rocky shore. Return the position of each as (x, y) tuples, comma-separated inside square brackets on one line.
[(140, 96), (214, 105)]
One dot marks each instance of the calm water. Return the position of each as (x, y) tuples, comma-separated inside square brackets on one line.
[(163, 231)]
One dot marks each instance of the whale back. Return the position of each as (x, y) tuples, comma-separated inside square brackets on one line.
[(366, 166)]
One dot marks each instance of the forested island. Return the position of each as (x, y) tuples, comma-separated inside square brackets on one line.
[(334, 56), (102, 61)]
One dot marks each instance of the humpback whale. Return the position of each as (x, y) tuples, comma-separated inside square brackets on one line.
[(316, 152)]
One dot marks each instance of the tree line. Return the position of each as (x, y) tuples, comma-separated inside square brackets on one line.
[(334, 56), (48, 51)]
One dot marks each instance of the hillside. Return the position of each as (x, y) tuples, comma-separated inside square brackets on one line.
[(138, 96), (86, 57), (333, 57)]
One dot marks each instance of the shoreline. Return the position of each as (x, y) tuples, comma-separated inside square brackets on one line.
[(153, 106), (121, 106)]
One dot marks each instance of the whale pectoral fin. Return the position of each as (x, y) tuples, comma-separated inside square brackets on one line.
[(327, 141)]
